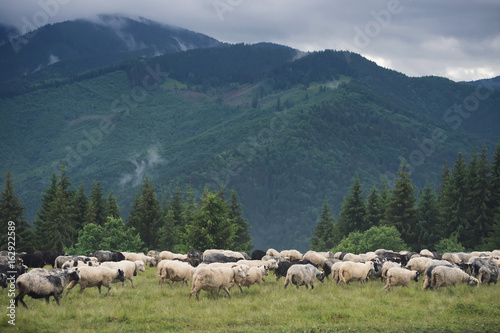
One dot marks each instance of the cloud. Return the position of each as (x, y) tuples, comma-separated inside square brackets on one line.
[(144, 163), (418, 38)]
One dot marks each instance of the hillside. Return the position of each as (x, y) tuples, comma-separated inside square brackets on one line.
[(285, 129)]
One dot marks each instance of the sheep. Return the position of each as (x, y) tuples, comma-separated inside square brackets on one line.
[(128, 267), (103, 256), (226, 253), (488, 274), (300, 275), (96, 277), (271, 263), (314, 257), (272, 253), (417, 264), (386, 266), (354, 271), (150, 261), (255, 275), (167, 255), (335, 269), (44, 286), (291, 254), (327, 266), (426, 253), (3, 280), (451, 257), (78, 263), (397, 276), (214, 278), (443, 276), (175, 270)]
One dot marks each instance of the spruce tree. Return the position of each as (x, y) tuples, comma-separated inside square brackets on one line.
[(112, 209), (353, 213), (210, 227), (42, 223), (81, 205), (146, 214), (374, 213), (167, 235), (385, 199), (457, 221), (12, 210), (323, 237), (401, 210), (242, 239), (62, 231), (428, 219), (99, 203)]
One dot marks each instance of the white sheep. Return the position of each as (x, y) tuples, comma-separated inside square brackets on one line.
[(355, 271), (335, 270), (386, 266), (78, 263), (451, 257), (128, 267), (175, 270), (271, 263), (443, 276), (314, 257), (300, 275), (397, 276), (353, 257), (417, 264), (150, 261), (214, 278), (272, 253), (96, 277), (255, 275), (167, 255), (426, 253), (44, 285)]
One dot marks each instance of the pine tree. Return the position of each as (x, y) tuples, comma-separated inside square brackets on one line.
[(146, 215), (242, 240), (323, 237), (99, 203), (112, 206), (353, 213), (81, 205), (457, 221), (385, 199), (12, 210), (374, 214), (90, 215), (167, 235), (42, 223), (62, 227), (401, 210), (211, 227), (428, 219), (480, 210), (493, 239)]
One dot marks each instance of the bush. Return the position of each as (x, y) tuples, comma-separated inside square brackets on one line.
[(372, 239)]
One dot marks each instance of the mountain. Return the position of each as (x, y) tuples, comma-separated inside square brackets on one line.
[(72, 47), (286, 129), (493, 83)]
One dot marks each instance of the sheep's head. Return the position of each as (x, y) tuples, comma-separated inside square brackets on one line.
[(320, 276), (417, 274), (473, 281)]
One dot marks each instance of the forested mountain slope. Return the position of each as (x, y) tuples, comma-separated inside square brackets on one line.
[(285, 129)]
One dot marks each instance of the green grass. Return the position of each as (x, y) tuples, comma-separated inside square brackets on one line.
[(265, 308)]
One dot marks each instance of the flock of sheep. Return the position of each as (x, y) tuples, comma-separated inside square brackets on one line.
[(221, 270)]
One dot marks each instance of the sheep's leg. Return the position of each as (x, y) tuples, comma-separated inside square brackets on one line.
[(212, 292), (98, 287), (70, 286), (287, 282), (107, 293), (226, 290), (47, 299), (57, 299), (312, 286), (131, 282), (20, 297)]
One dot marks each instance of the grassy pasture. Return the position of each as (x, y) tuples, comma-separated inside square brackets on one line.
[(265, 308)]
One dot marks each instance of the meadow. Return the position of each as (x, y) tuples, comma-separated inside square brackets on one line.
[(265, 308)]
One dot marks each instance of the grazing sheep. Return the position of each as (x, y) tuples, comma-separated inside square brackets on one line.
[(427, 253), (257, 254), (150, 261), (397, 276), (300, 275), (15, 271), (327, 266), (386, 266), (353, 257), (282, 269), (488, 274), (128, 267), (167, 255), (314, 257), (96, 277), (44, 286), (78, 263), (451, 257), (271, 263), (174, 270), (272, 253), (103, 256), (443, 276), (214, 278), (254, 275), (417, 264), (354, 271)]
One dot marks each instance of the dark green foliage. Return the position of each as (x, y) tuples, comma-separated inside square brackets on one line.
[(81, 206), (12, 210), (372, 239), (114, 236), (353, 213), (211, 227), (146, 214), (374, 209), (112, 206), (242, 238), (324, 236), (61, 229), (42, 222), (401, 211), (428, 219), (99, 204)]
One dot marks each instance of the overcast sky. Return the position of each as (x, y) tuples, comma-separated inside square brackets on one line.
[(457, 39)]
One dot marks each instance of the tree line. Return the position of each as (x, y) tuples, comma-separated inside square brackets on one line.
[(69, 220), (462, 214)]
